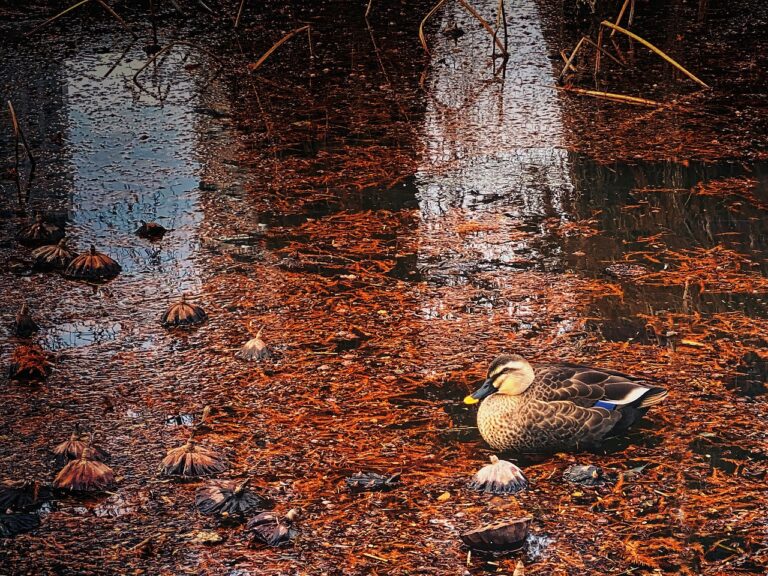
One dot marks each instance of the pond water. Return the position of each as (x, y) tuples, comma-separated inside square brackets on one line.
[(389, 222)]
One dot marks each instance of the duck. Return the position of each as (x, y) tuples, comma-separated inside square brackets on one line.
[(557, 407)]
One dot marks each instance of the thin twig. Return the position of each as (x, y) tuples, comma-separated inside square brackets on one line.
[(117, 17), (468, 7), (368, 8), (434, 9), (275, 46), (565, 59), (620, 16), (654, 49), (239, 13), (570, 58), (19, 133), (205, 7), (589, 41), (59, 15), (117, 62), (599, 52)]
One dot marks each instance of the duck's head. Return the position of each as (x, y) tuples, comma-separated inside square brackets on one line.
[(509, 374)]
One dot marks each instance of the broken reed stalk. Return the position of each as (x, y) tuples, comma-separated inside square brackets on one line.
[(102, 3), (434, 9), (620, 16), (19, 133), (654, 49), (205, 7), (56, 17), (19, 136), (599, 52), (565, 59), (611, 96), (501, 16), (468, 7), (605, 52), (163, 51), (117, 17), (239, 13), (570, 58), (275, 46)]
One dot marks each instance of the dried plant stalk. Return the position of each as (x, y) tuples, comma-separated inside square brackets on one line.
[(620, 16), (656, 50), (228, 498), (468, 7), (570, 59), (275, 46), (611, 96), (423, 39)]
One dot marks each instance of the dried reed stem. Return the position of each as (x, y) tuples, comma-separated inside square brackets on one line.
[(468, 7), (434, 9), (275, 46), (654, 49), (605, 52), (54, 18), (620, 16), (570, 59), (565, 59), (611, 96), (117, 17), (599, 52), (368, 8), (19, 133), (239, 13)]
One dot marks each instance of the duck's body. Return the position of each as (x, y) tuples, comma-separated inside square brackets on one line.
[(557, 406)]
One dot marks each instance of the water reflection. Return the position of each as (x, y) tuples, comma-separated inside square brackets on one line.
[(133, 159), (498, 193), (494, 165)]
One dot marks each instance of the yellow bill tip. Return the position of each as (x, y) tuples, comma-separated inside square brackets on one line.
[(470, 400)]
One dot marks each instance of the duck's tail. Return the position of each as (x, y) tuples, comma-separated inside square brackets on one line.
[(653, 397)]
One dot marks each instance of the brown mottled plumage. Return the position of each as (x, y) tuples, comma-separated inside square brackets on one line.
[(93, 265), (557, 406)]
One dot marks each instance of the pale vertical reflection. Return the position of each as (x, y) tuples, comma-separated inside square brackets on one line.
[(493, 154), (133, 159)]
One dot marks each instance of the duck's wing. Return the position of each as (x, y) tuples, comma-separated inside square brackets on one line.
[(587, 387), (564, 423)]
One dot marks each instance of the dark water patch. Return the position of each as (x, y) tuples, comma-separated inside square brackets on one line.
[(628, 318), (750, 376), (723, 455)]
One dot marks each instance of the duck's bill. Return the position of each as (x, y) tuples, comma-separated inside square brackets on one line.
[(485, 390)]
